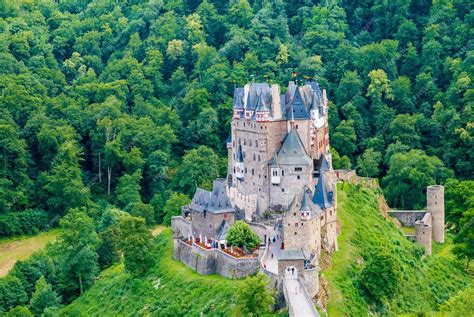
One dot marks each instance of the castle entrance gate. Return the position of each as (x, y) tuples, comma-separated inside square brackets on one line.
[(291, 273)]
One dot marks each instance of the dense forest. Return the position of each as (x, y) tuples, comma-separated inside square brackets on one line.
[(113, 109)]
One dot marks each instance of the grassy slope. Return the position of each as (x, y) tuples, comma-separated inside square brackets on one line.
[(20, 248), (181, 291), (426, 282)]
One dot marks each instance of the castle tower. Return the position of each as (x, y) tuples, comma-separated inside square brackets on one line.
[(423, 233), (435, 206)]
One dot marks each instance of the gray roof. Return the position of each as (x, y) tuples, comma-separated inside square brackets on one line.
[(223, 229), (238, 101), (292, 152), (304, 197), (214, 202), (323, 197), (291, 254), (258, 89)]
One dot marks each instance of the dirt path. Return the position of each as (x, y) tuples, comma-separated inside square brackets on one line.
[(12, 250)]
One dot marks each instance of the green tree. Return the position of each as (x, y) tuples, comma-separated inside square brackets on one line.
[(253, 297), (137, 245), (145, 211), (128, 189), (368, 163), (411, 173), (12, 293), (76, 250), (173, 206), (344, 138), (63, 187), (464, 240), (198, 167), (19, 311), (43, 297), (241, 235), (381, 275)]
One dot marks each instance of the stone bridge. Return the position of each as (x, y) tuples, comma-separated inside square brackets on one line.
[(298, 300)]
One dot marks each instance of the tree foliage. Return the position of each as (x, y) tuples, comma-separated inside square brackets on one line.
[(253, 297), (241, 235)]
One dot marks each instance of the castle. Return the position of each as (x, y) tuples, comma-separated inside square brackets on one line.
[(280, 181)]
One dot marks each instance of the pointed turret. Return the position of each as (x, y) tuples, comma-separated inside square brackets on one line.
[(322, 196), (238, 103), (261, 111)]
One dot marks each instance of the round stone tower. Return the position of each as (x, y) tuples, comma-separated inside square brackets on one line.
[(423, 235), (435, 206)]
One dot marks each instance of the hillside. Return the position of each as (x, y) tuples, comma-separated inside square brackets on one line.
[(425, 283), (170, 289)]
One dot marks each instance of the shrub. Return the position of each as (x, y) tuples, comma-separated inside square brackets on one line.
[(29, 221), (381, 276)]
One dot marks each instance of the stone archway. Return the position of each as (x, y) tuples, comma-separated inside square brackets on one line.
[(291, 272)]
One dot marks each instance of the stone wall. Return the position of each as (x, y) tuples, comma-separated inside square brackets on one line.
[(231, 267), (310, 279), (248, 203), (302, 234), (214, 261), (201, 260), (260, 230), (408, 217), (208, 224), (181, 227)]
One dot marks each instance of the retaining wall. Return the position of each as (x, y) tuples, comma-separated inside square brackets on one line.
[(408, 217)]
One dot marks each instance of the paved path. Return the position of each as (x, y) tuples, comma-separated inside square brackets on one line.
[(299, 303), (271, 263)]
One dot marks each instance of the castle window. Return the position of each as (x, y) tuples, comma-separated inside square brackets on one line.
[(259, 176), (298, 169), (250, 142), (253, 173), (239, 141), (254, 157), (288, 225), (259, 157), (296, 127), (244, 124), (282, 190), (296, 224), (294, 214), (234, 170), (302, 224), (245, 142), (295, 233), (276, 184), (256, 143), (297, 177), (282, 173), (245, 170), (275, 172)]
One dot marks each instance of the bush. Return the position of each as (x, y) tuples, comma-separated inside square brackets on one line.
[(173, 206), (29, 221), (381, 276)]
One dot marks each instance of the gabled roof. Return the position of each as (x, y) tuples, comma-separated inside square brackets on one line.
[(322, 197), (215, 202), (292, 152), (262, 103)]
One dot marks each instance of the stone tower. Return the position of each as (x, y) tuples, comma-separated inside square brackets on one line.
[(435, 206), (423, 232)]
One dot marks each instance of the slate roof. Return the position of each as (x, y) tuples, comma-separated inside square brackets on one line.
[(292, 152), (305, 202), (291, 254), (304, 197), (323, 197), (217, 201), (238, 101), (223, 229)]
